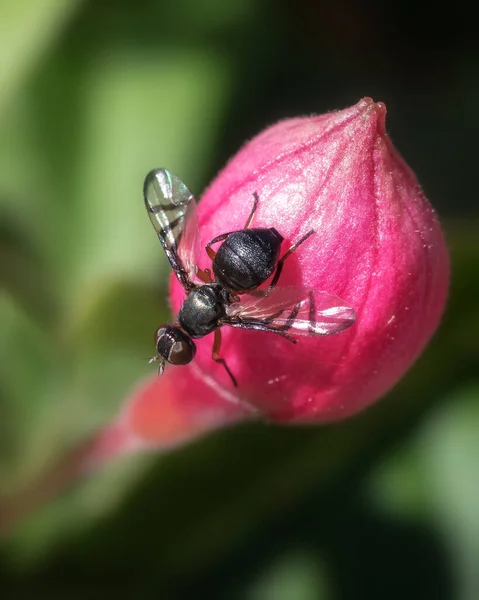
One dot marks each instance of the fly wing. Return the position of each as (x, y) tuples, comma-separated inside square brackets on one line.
[(296, 310), (172, 211)]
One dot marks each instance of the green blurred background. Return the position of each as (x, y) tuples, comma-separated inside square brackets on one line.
[(92, 95)]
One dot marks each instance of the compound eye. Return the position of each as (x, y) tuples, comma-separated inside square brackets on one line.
[(174, 345), (158, 338), (181, 353)]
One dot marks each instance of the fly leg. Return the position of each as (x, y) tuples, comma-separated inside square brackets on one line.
[(258, 325), (209, 250), (279, 266), (215, 355), (204, 275), (312, 312), (253, 210)]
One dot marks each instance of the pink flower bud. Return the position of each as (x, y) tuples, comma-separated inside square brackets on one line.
[(378, 245)]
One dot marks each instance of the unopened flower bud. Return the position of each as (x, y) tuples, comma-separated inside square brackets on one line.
[(377, 245)]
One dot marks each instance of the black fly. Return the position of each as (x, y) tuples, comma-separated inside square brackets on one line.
[(229, 295)]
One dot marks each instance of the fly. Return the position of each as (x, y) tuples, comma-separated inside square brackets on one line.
[(229, 293)]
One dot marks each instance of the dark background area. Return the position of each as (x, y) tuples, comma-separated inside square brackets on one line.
[(94, 95)]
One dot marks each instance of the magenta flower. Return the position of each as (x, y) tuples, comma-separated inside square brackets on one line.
[(378, 245)]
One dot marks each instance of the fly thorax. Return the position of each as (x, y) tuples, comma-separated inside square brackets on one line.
[(202, 310)]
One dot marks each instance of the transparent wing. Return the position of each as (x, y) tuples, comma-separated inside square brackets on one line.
[(296, 310), (172, 211)]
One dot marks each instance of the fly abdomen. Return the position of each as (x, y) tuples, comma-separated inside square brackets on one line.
[(247, 258)]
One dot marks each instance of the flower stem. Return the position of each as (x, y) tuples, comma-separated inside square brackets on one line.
[(90, 454)]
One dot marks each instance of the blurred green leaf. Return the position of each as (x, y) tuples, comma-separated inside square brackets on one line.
[(27, 368), (297, 575), (83, 258), (434, 480), (27, 30), (142, 111), (111, 343), (449, 454), (23, 273)]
